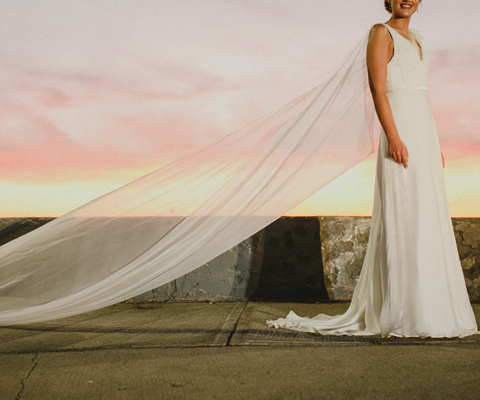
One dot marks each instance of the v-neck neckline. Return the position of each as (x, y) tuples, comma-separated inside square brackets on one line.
[(421, 55)]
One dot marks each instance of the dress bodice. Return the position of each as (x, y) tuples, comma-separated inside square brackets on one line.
[(406, 70)]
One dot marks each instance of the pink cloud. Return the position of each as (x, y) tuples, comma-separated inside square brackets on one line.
[(125, 90), (23, 127)]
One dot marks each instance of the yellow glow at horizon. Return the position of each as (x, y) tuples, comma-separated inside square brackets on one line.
[(350, 194)]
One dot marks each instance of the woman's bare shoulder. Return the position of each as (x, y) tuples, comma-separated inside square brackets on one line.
[(380, 36), (379, 30), (380, 43)]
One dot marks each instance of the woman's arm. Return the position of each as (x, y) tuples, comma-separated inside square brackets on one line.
[(379, 53)]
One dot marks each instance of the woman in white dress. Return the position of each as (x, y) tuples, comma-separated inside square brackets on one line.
[(411, 284), (171, 221)]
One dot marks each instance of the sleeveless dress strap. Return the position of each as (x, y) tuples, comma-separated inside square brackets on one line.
[(390, 29)]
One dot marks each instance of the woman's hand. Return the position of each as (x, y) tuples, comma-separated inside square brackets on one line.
[(443, 159), (398, 151)]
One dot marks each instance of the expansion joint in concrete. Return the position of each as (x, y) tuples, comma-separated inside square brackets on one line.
[(24, 380)]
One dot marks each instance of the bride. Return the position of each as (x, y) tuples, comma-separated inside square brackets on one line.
[(167, 223), (412, 283)]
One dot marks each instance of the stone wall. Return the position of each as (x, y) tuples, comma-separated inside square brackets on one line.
[(467, 235), (304, 259)]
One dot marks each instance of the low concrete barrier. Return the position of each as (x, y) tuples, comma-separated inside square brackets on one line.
[(303, 259)]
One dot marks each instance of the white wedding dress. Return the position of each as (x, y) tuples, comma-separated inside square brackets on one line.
[(411, 283)]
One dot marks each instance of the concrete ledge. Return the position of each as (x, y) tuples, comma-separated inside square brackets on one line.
[(302, 259), (232, 276)]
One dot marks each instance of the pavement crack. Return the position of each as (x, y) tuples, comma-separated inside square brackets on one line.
[(234, 329), (24, 380)]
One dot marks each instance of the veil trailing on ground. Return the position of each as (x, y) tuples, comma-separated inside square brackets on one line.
[(167, 223)]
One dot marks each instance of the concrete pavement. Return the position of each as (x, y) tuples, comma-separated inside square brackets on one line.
[(225, 351)]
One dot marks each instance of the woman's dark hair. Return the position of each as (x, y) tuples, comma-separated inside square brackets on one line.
[(388, 6)]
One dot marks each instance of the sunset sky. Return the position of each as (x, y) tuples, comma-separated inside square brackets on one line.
[(96, 93)]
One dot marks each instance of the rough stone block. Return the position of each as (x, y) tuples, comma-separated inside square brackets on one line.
[(467, 235), (344, 243)]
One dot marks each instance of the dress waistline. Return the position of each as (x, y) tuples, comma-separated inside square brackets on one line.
[(409, 88)]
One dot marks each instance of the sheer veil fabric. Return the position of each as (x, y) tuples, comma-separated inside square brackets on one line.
[(167, 223)]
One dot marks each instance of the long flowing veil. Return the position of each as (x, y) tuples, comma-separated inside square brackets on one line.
[(167, 223)]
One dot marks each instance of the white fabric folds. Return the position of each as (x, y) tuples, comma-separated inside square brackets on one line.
[(167, 223)]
